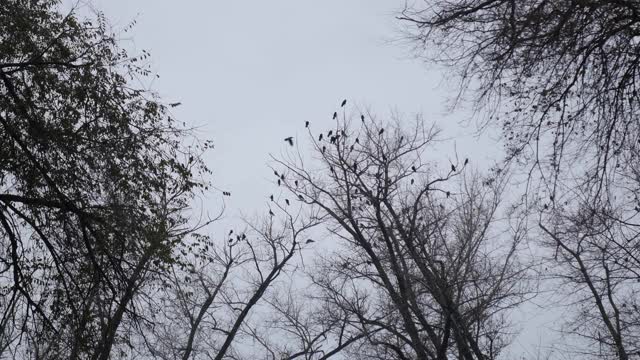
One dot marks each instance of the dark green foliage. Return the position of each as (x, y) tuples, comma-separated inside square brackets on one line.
[(94, 181)]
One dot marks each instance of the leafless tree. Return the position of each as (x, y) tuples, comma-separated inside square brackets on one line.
[(421, 271)]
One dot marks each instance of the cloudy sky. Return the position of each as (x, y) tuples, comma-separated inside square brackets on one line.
[(249, 73)]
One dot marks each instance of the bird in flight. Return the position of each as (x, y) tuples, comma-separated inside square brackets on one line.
[(344, 102), (289, 140)]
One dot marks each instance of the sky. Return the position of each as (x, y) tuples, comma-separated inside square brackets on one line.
[(250, 73)]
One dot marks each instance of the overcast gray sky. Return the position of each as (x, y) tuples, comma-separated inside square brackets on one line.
[(250, 73)]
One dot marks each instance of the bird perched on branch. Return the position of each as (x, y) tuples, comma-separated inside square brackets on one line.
[(306, 124), (309, 241), (335, 115), (344, 102), (289, 140)]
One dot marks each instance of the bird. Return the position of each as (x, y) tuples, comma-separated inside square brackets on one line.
[(380, 132), (300, 197), (306, 124), (287, 201), (344, 102), (289, 140), (335, 115), (448, 193), (309, 241), (282, 177), (271, 197), (352, 147), (362, 118), (323, 149), (271, 212), (175, 104), (412, 181), (357, 141), (330, 133), (296, 182), (414, 169), (230, 231), (401, 138), (453, 168), (466, 161), (276, 173), (279, 182), (320, 137)]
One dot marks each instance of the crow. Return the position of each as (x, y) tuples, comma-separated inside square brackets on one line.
[(323, 149), (175, 104), (401, 138), (362, 118), (271, 197), (412, 181), (344, 102), (287, 201), (335, 115), (279, 182), (343, 133), (414, 169), (352, 147), (244, 236), (466, 161), (380, 132), (453, 168), (330, 133), (309, 241), (230, 231), (320, 137), (306, 124), (282, 177), (271, 212), (300, 197), (289, 140), (448, 193), (296, 182), (357, 141), (276, 173)]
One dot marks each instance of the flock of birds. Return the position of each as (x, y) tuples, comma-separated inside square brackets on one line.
[(332, 138)]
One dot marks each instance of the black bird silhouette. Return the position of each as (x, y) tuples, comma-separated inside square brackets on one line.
[(448, 193), (289, 140), (466, 161), (271, 212), (352, 147), (276, 173), (300, 197), (357, 141), (412, 181), (279, 182), (344, 102), (309, 241), (401, 138), (343, 133), (230, 231), (306, 124), (244, 236), (362, 118), (287, 201), (335, 115), (453, 167), (271, 197), (296, 182), (330, 133), (323, 149), (230, 241), (414, 169), (380, 132), (282, 177), (320, 137)]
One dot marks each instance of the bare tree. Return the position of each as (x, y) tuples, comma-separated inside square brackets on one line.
[(419, 272)]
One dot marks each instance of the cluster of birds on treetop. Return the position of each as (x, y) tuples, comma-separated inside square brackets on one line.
[(333, 136)]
